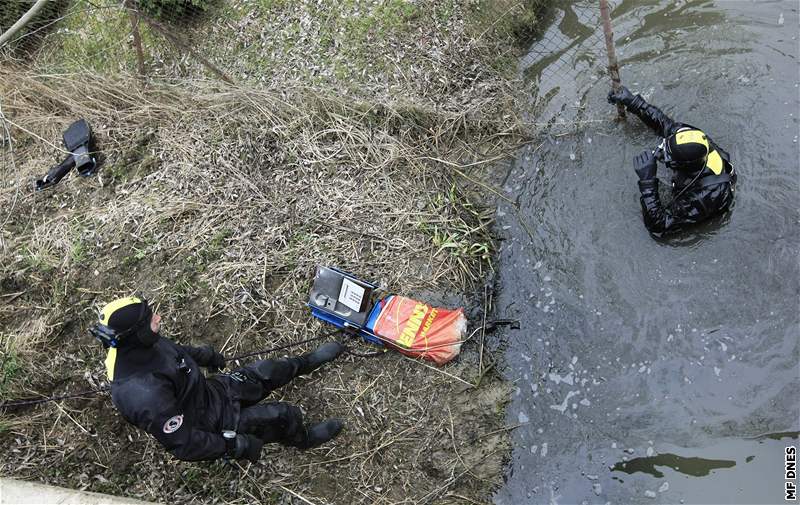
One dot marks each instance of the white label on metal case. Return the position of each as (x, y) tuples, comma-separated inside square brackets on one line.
[(351, 294)]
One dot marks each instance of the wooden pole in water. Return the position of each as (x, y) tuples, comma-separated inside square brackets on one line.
[(613, 65)]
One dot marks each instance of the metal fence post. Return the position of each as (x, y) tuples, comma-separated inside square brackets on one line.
[(613, 65)]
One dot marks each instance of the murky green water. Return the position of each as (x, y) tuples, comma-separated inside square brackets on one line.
[(647, 372)]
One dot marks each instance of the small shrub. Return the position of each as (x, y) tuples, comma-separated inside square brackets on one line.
[(528, 25), (521, 20)]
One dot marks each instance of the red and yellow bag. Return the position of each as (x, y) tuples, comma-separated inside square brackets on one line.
[(419, 330)]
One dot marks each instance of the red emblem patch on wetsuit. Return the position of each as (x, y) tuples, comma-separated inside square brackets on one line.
[(173, 424)]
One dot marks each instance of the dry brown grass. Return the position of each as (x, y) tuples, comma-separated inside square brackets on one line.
[(217, 203)]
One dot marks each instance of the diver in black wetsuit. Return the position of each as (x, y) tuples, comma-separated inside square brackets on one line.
[(703, 180), (157, 386)]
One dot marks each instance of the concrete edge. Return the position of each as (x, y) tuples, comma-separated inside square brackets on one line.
[(19, 492)]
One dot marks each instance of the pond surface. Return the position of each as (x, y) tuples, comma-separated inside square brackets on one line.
[(654, 371)]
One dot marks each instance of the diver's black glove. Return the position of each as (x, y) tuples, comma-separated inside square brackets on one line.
[(644, 164), (216, 363), (622, 95), (248, 447)]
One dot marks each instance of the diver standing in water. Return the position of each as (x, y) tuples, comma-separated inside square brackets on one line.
[(703, 180)]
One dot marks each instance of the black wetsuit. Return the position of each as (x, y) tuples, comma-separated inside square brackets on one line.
[(708, 194), (161, 390)]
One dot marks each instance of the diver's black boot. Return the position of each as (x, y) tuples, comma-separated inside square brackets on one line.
[(321, 433), (324, 353)]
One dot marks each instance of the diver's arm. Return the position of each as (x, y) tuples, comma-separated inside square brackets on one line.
[(154, 408), (660, 219), (653, 117), (206, 356), (202, 355), (188, 443)]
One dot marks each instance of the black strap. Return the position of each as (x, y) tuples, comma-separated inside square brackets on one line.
[(713, 180), (230, 443)]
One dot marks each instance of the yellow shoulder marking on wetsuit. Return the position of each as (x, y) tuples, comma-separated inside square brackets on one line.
[(111, 360), (112, 307), (691, 137), (715, 163)]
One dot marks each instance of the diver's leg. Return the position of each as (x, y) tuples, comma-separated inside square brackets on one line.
[(282, 422), (274, 373)]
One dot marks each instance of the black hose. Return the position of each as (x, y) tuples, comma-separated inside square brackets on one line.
[(696, 177), (280, 347), (372, 354), (35, 401)]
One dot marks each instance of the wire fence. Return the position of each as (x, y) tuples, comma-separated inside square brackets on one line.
[(422, 51), (392, 47), (267, 41), (152, 38), (569, 56)]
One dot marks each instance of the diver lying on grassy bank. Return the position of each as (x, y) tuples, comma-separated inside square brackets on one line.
[(157, 386), (703, 179)]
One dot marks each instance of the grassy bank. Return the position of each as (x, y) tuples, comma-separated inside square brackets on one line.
[(355, 142), (419, 50)]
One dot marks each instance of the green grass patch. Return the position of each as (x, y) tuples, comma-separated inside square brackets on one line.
[(343, 35), (271, 5), (78, 252), (10, 367), (217, 243), (38, 260), (139, 251), (92, 41), (466, 237)]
